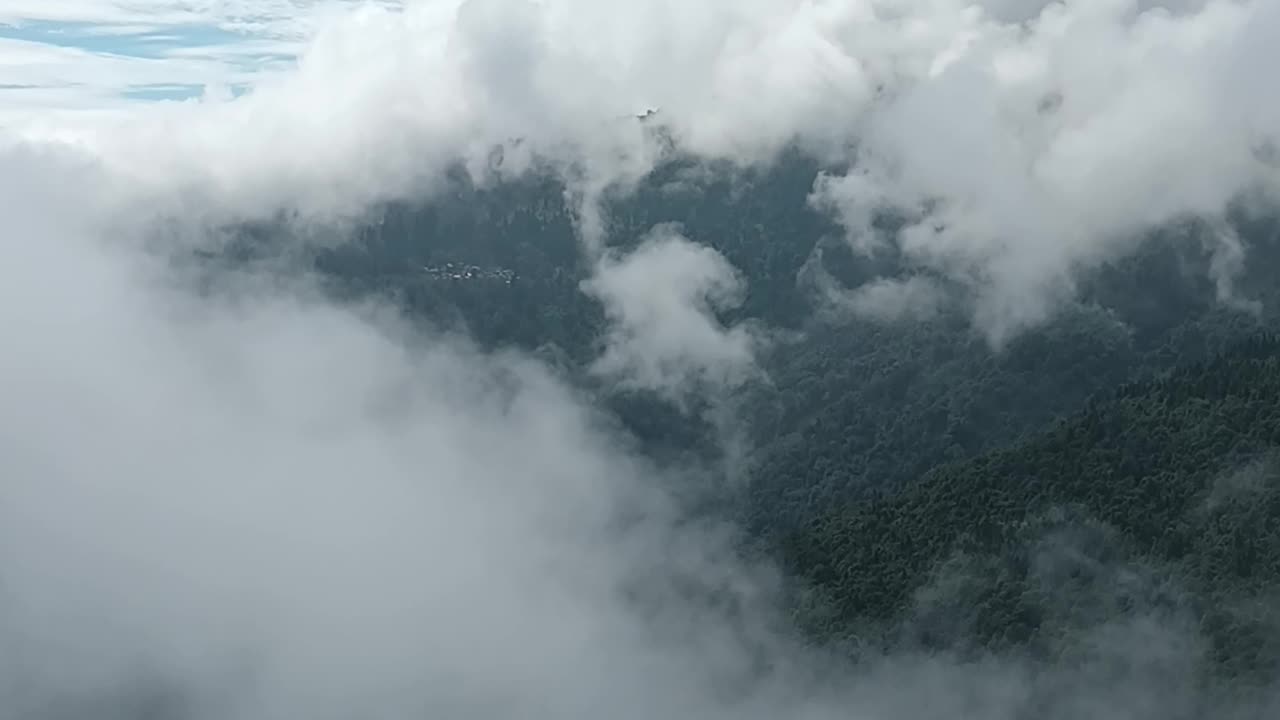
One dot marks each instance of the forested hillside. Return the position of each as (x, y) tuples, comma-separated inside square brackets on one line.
[(853, 403), (1176, 475), (888, 457)]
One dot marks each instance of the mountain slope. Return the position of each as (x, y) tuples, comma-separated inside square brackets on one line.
[(1171, 474)]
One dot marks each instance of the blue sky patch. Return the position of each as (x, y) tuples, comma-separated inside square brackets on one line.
[(83, 63), (127, 40)]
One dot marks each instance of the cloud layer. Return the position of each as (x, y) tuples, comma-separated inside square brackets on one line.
[(1024, 141), (661, 300), (287, 507), (276, 506)]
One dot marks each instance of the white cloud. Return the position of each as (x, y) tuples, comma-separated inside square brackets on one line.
[(266, 505), (1051, 149), (893, 300), (661, 300), (1042, 145), (309, 508), (118, 52), (303, 509)]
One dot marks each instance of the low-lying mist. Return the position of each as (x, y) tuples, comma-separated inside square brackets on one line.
[(240, 498)]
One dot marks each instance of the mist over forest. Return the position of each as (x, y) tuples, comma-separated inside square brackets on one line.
[(489, 359)]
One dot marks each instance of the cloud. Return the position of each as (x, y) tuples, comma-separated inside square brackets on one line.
[(893, 300), (661, 301), (244, 500), (1038, 152), (284, 506), (85, 55), (1024, 141)]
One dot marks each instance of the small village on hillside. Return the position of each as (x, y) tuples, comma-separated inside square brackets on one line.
[(458, 271)]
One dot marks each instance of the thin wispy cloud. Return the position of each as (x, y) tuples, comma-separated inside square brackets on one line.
[(97, 54)]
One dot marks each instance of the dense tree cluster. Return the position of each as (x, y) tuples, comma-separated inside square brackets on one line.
[(1178, 469)]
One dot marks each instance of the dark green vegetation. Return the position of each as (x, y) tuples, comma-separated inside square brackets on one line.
[(1174, 474), (933, 491)]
